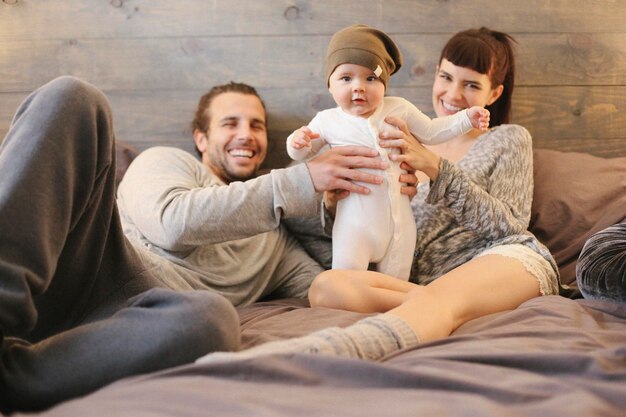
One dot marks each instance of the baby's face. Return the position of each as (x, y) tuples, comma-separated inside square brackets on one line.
[(356, 89)]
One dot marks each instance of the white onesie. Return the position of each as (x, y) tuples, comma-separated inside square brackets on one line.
[(379, 227)]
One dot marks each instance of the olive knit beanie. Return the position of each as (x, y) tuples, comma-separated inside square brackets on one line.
[(366, 46)]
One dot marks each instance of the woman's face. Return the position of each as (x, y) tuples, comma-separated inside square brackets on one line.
[(457, 88)]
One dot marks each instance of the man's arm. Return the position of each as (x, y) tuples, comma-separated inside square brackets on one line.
[(170, 199), (174, 202)]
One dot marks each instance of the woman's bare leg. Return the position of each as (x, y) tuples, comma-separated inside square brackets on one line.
[(359, 291), (485, 285)]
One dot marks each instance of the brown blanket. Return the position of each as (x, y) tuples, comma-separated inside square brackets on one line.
[(551, 356)]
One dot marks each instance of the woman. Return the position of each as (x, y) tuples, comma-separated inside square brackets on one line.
[(472, 212)]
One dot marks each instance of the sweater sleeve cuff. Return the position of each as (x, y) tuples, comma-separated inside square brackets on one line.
[(438, 187), (294, 194)]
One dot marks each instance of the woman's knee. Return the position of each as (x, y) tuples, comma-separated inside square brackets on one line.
[(321, 286), (327, 286)]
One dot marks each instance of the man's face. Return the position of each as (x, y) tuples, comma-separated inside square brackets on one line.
[(235, 144)]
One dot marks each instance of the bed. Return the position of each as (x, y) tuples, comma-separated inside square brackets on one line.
[(557, 355)]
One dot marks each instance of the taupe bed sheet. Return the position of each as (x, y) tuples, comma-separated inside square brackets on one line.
[(552, 356)]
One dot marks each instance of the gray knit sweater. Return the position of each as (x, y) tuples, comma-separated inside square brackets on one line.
[(482, 201), (197, 233)]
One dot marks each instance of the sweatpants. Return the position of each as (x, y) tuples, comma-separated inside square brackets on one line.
[(78, 309)]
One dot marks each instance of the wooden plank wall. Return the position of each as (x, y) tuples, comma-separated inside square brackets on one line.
[(154, 58)]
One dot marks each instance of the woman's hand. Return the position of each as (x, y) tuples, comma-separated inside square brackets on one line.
[(412, 152), (409, 181)]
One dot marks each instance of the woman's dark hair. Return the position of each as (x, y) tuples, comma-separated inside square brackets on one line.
[(488, 52), (201, 120)]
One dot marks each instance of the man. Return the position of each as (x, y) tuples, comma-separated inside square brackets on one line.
[(80, 306), (216, 220)]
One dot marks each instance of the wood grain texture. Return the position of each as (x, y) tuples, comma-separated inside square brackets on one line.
[(285, 61), (154, 58), (53, 19), (566, 118)]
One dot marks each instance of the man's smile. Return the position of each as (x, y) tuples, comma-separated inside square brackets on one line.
[(241, 152)]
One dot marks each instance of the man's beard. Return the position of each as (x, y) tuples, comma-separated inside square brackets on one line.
[(228, 176)]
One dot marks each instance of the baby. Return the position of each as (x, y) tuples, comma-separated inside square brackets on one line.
[(379, 227)]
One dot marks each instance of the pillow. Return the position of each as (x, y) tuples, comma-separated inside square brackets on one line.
[(575, 196), (601, 267)]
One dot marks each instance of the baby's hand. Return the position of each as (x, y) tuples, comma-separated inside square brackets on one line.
[(302, 138), (479, 117)]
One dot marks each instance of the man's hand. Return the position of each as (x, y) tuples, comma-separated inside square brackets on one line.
[(334, 169)]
